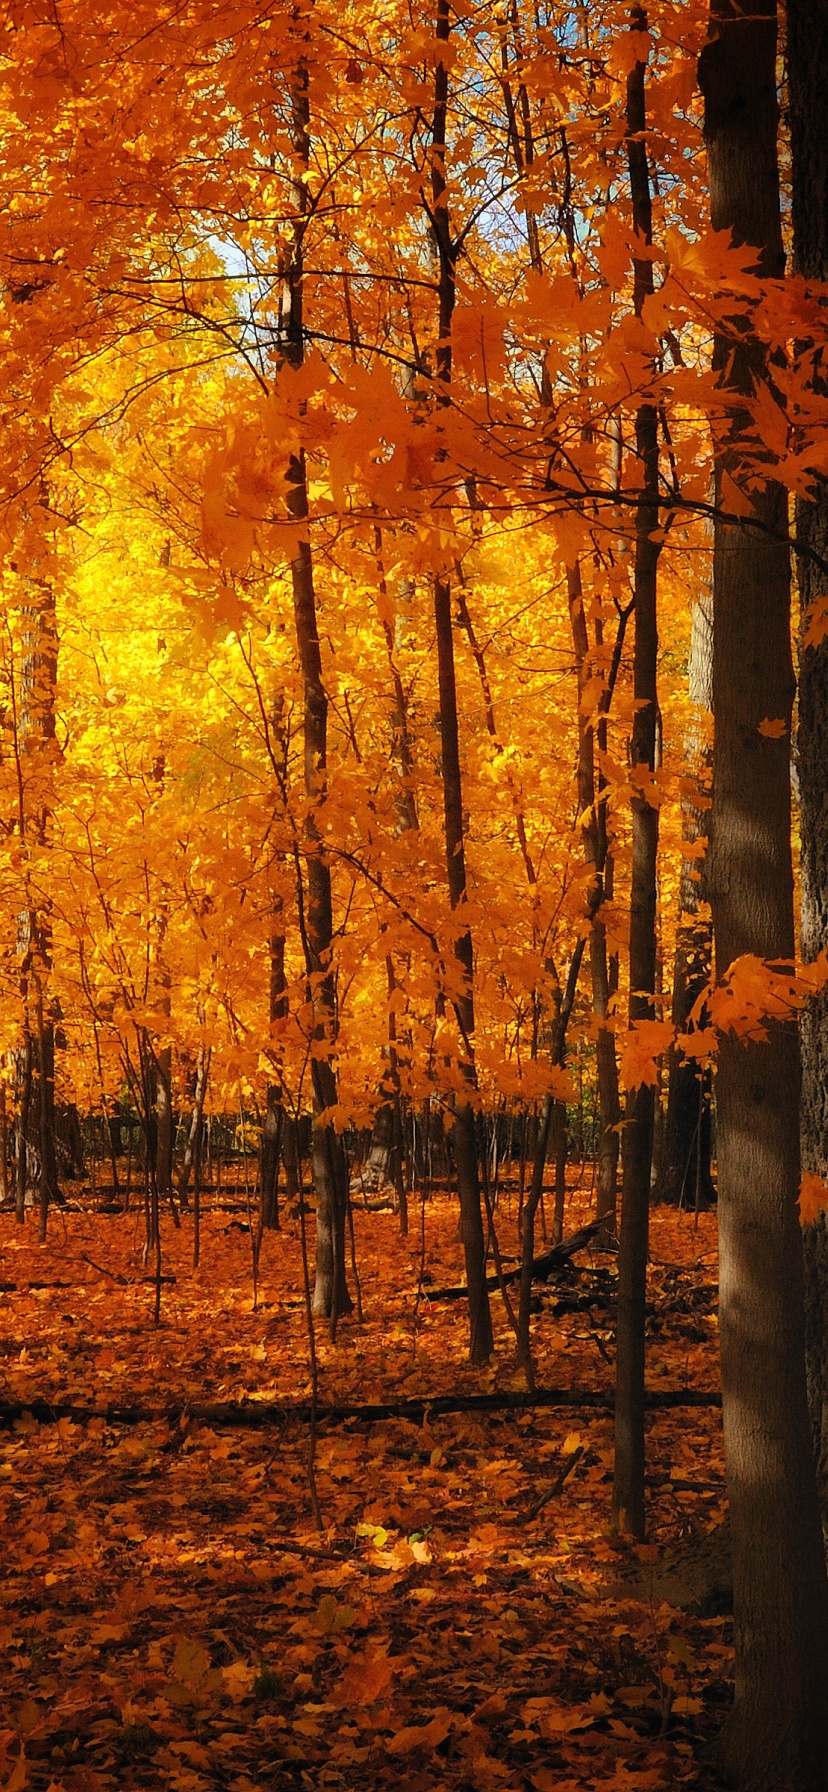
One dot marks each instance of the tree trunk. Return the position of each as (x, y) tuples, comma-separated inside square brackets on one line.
[(405, 802), (637, 1141), (464, 1131), (685, 1172), (274, 1129), (328, 1167), (163, 1123), (24, 1101), (270, 1153), (552, 1121), (193, 1146), (38, 755), (808, 81), (776, 1739), (4, 1147), (597, 857)]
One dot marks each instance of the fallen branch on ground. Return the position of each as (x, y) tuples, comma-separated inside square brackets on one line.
[(257, 1415), (541, 1267)]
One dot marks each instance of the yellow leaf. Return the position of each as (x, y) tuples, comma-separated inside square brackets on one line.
[(773, 728), (571, 1443)]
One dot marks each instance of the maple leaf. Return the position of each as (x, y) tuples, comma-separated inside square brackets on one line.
[(366, 1680), (816, 622), (645, 1041), (813, 1198), (422, 1736)]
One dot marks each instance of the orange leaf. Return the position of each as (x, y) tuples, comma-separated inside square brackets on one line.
[(813, 1198)]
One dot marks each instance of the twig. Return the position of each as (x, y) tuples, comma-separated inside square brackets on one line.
[(103, 1271), (557, 1485)]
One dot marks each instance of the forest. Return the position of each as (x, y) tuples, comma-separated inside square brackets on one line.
[(414, 881)]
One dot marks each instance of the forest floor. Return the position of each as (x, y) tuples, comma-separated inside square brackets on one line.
[(170, 1614)]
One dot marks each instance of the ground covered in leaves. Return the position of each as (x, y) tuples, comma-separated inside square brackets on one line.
[(171, 1616)]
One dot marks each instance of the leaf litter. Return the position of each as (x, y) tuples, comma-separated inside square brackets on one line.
[(170, 1617)]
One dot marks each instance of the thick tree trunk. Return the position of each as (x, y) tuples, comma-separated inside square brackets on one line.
[(637, 1142), (777, 1738), (808, 86)]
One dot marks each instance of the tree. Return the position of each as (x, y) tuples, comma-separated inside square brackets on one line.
[(637, 1141), (808, 79), (776, 1737)]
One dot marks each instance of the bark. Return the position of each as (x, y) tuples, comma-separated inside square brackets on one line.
[(270, 1152), (549, 1118), (192, 1148), (164, 1133), (776, 1739), (595, 851), (37, 756), (628, 1481), (464, 1130), (328, 1166), (685, 1172), (808, 87), (4, 1147), (386, 1158), (24, 1098), (252, 1415), (274, 1129)]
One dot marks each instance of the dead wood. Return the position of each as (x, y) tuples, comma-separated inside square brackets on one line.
[(542, 1267), (258, 1415)]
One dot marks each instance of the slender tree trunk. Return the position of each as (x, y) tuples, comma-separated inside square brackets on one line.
[(628, 1483), (24, 1100), (808, 86), (274, 1128), (550, 1116), (163, 1123), (595, 851), (464, 1131), (4, 1146), (405, 802), (685, 1172), (777, 1738), (192, 1148), (328, 1166), (37, 758)]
